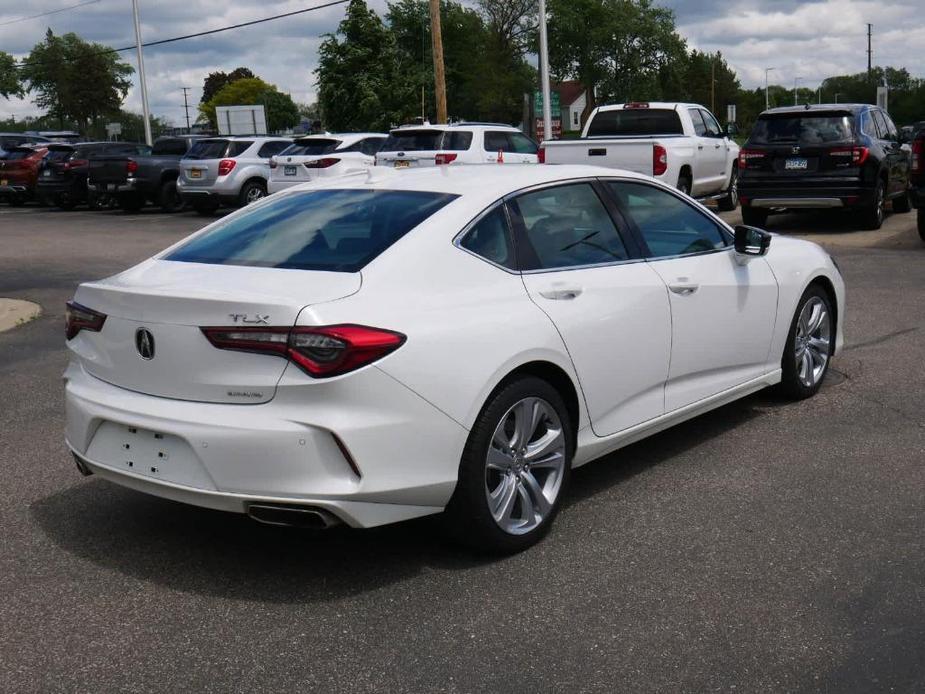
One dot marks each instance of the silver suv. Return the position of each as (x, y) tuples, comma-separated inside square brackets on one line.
[(227, 171)]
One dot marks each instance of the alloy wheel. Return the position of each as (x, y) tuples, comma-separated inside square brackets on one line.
[(812, 342), (254, 194), (525, 465)]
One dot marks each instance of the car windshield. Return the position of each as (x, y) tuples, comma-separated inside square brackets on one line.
[(332, 230), (636, 121), (802, 128), (313, 147), (58, 153), (413, 141), (207, 149)]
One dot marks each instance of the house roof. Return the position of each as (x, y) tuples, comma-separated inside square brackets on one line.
[(569, 91)]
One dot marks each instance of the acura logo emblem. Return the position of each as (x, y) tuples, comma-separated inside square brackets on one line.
[(144, 343)]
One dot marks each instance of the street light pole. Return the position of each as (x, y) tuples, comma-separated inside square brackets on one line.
[(795, 80), (141, 74), (767, 101), (544, 73)]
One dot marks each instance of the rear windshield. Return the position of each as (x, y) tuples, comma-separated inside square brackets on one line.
[(333, 230), (636, 121), (309, 148), (58, 153), (207, 149), (803, 128), (413, 141)]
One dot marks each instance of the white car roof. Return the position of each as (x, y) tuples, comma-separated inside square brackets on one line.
[(652, 104), (456, 126)]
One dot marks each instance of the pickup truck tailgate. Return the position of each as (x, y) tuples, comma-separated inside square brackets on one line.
[(629, 155)]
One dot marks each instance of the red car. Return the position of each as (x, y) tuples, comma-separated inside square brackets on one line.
[(19, 173)]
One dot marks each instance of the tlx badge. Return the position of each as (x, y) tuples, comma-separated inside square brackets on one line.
[(256, 319)]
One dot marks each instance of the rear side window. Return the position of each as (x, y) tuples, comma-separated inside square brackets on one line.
[(490, 238), (669, 226), (457, 141), (710, 122), (635, 121), (169, 148), (803, 128), (311, 148), (413, 141), (18, 154), (368, 146), (516, 143), (332, 230), (238, 147), (271, 148), (208, 149), (567, 226)]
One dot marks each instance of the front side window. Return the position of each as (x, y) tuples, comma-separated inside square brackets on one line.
[(567, 226), (332, 230), (668, 225), (490, 238)]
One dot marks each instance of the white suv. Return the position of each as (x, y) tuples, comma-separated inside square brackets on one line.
[(227, 170), (462, 143), (319, 156)]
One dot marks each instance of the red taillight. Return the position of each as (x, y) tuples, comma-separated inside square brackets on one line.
[(918, 154), (79, 318), (541, 155), (131, 166), (75, 163), (273, 163), (443, 158), (858, 154), (320, 352), (659, 160), (749, 155), (226, 166), (321, 163)]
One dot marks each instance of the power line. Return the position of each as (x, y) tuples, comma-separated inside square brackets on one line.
[(206, 33), (45, 14)]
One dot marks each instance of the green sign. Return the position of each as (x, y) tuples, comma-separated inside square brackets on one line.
[(555, 107)]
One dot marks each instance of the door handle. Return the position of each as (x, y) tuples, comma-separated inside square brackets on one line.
[(561, 293), (716, 146), (684, 288), (699, 146)]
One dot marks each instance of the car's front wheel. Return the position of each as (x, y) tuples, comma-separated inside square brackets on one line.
[(730, 201), (514, 469), (810, 344)]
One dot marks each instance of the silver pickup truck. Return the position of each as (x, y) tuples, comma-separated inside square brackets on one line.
[(680, 144)]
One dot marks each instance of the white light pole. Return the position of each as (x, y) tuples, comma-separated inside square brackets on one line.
[(767, 101), (141, 74), (544, 73), (795, 80)]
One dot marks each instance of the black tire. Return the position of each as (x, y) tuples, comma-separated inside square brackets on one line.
[(685, 183), (16, 201), (169, 198), (65, 202), (205, 208), (754, 217), (901, 204), (468, 515), (131, 203), (730, 201), (791, 386), (251, 192), (920, 220), (873, 215)]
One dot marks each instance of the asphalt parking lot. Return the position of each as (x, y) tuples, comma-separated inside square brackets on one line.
[(765, 547)]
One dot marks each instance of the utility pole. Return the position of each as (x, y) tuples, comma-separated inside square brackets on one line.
[(439, 77), (141, 74), (544, 73), (767, 101), (795, 80), (869, 50), (713, 85), (186, 107)]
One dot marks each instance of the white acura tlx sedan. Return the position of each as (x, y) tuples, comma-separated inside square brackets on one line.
[(390, 344)]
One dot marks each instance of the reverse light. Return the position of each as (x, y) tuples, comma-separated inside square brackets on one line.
[(324, 163), (226, 166), (131, 166), (659, 160), (444, 158), (79, 318), (321, 352)]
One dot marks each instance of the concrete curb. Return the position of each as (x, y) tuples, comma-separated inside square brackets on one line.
[(14, 312)]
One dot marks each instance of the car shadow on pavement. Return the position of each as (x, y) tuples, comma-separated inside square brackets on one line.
[(228, 555)]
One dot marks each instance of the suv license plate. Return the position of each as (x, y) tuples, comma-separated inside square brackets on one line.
[(289, 171), (195, 173), (796, 164), (402, 164)]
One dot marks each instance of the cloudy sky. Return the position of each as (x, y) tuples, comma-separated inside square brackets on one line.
[(806, 39)]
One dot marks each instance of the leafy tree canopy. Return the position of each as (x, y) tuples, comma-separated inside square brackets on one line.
[(10, 84), (214, 81), (281, 111)]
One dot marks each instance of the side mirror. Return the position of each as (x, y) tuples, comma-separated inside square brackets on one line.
[(751, 241), (732, 129)]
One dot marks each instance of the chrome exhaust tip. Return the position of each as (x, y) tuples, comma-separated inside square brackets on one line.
[(293, 516), (82, 466)]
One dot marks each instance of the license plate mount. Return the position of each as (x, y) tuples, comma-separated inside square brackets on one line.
[(796, 164), (402, 164), (195, 173), (289, 171)]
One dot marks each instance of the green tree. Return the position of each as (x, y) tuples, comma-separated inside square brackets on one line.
[(75, 79), (363, 82), (696, 75), (214, 81), (281, 111), (619, 50), (10, 84)]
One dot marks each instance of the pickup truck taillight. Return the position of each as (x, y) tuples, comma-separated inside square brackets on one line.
[(226, 166), (131, 167), (918, 154), (747, 156), (541, 155), (659, 160)]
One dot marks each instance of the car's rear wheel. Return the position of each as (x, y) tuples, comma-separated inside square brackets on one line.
[(810, 344), (730, 201), (514, 469), (685, 183), (875, 213), (169, 197), (252, 192), (901, 204), (754, 217)]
